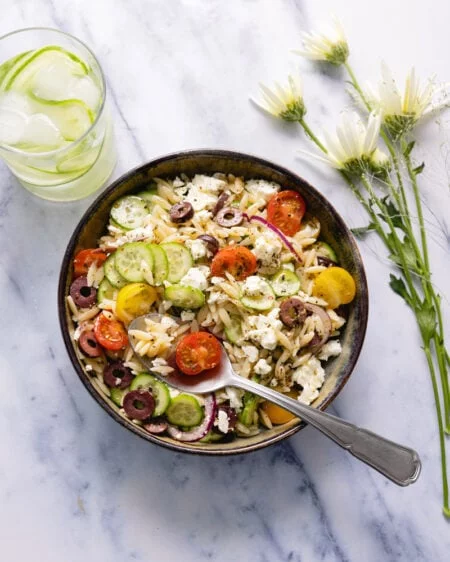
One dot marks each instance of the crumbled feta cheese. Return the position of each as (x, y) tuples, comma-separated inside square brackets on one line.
[(177, 182), (254, 286), (263, 329), (311, 377), (235, 397), (262, 188), (209, 184), (330, 349), (135, 235), (251, 352), (197, 248), (262, 367), (200, 199), (267, 248), (222, 421), (187, 315), (203, 217), (196, 277)]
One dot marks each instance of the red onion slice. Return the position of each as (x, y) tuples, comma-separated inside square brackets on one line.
[(278, 232), (156, 426), (326, 323), (201, 430)]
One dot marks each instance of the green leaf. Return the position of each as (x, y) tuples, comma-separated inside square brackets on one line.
[(393, 212), (419, 169), (408, 149), (407, 253), (361, 231), (399, 287), (426, 318)]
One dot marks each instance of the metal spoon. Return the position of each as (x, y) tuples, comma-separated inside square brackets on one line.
[(398, 463)]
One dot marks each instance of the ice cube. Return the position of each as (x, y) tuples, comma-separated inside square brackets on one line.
[(41, 132), (16, 102), (84, 89), (12, 126), (53, 81)]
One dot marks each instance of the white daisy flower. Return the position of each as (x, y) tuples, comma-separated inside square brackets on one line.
[(329, 44), (354, 147), (402, 110), (283, 102)]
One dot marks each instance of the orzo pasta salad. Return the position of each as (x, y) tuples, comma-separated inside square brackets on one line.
[(223, 261)]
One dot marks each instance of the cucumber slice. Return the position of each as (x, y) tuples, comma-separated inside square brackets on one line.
[(184, 411), (159, 390), (111, 273), (184, 296), (106, 291), (285, 283), (117, 395), (21, 74), (72, 117), (180, 260), (129, 212), (9, 64), (325, 250), (160, 264), (148, 194), (247, 415), (263, 300), (212, 437), (234, 330), (80, 160), (130, 259)]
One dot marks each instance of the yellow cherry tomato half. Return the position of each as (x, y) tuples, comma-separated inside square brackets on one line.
[(277, 414), (335, 285), (134, 300)]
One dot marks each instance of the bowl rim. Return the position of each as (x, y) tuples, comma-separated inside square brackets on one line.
[(61, 300)]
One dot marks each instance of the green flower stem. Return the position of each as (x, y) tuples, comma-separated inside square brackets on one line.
[(446, 506), (421, 256), (387, 141), (357, 87), (312, 136), (396, 240), (439, 337)]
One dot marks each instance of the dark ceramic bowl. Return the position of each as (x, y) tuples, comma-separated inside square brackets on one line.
[(334, 231)]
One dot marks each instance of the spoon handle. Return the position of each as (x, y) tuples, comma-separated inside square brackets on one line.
[(397, 462)]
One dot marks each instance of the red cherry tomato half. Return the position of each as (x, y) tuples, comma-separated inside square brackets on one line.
[(110, 333), (236, 260), (197, 352), (286, 210), (85, 258)]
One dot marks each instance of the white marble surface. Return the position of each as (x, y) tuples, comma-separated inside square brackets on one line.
[(74, 485)]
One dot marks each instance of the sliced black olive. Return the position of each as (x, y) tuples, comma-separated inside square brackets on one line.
[(325, 262), (231, 415), (88, 344), (83, 295), (139, 404), (223, 198), (229, 216), (211, 243), (292, 312), (116, 375), (181, 212)]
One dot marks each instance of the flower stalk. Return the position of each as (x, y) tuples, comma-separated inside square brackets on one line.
[(362, 165)]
